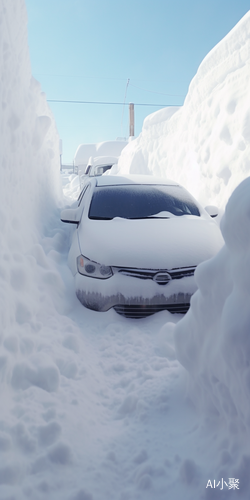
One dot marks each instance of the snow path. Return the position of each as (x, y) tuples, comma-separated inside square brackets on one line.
[(126, 406), (112, 422), (117, 424)]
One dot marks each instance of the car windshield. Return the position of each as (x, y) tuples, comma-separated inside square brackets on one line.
[(140, 202)]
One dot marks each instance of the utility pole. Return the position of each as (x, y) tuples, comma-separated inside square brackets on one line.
[(131, 119)]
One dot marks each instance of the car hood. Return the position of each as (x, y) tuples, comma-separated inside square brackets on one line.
[(150, 243)]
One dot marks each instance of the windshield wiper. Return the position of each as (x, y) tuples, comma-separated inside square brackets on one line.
[(93, 217), (148, 217)]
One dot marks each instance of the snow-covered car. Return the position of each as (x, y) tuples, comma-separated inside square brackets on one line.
[(137, 243), (97, 166)]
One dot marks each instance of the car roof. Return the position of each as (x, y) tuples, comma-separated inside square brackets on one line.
[(117, 180), (104, 160)]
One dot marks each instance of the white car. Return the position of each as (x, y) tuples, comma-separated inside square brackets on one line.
[(137, 243), (97, 166)]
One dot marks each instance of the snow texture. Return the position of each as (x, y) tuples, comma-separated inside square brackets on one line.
[(213, 341), (93, 405), (204, 145)]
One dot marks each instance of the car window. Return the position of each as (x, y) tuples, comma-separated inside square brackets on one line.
[(99, 170), (140, 201), (87, 169)]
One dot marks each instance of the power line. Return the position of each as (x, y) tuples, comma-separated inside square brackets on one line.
[(114, 103)]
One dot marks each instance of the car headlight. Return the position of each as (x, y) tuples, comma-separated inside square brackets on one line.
[(93, 269)]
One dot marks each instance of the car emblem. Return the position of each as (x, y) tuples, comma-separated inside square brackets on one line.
[(162, 278)]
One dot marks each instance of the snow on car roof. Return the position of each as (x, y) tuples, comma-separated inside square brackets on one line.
[(113, 180), (104, 160)]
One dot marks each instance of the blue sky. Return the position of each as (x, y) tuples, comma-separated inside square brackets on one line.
[(86, 50)]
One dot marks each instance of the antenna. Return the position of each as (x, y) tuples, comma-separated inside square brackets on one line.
[(124, 104)]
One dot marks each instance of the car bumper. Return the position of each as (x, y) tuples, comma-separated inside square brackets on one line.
[(131, 294)]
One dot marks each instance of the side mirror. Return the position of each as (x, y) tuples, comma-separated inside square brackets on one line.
[(212, 210), (71, 215)]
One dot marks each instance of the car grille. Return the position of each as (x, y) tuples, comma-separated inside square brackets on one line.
[(161, 276), (142, 311)]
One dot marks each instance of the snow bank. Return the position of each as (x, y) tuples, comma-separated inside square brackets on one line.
[(213, 342), (35, 341), (205, 145), (29, 166)]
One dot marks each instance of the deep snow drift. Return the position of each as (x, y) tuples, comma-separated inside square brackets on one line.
[(29, 165), (205, 145), (92, 405), (213, 341)]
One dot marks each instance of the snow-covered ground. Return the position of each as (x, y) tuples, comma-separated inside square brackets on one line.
[(94, 406)]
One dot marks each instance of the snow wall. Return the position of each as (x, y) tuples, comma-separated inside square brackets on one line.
[(204, 145), (213, 342), (30, 185)]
